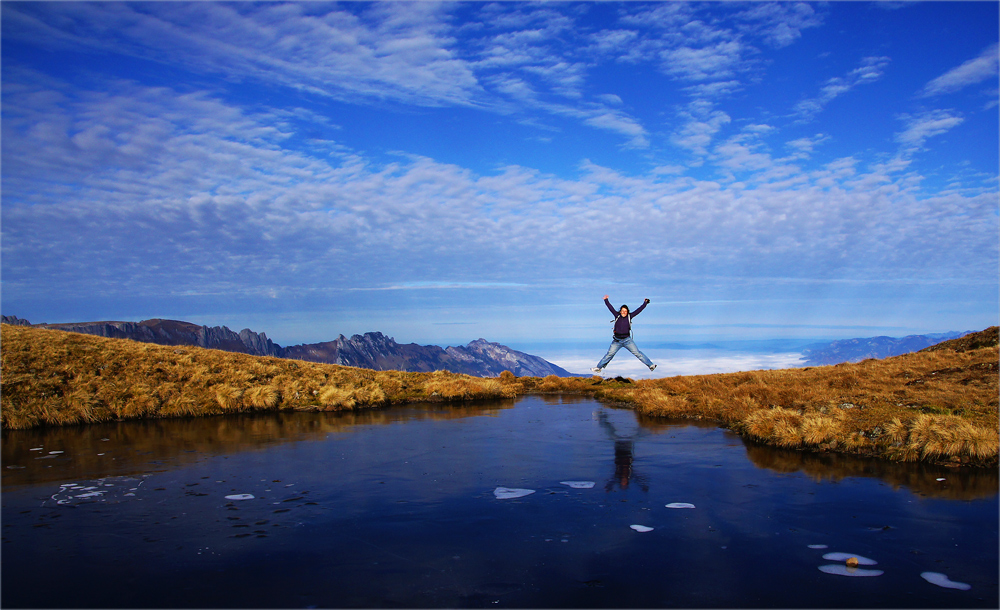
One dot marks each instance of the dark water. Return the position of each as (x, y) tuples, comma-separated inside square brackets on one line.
[(396, 508)]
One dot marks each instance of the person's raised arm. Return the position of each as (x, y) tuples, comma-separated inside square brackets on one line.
[(610, 308), (640, 308)]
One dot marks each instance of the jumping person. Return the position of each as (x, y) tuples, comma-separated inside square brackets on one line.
[(623, 336)]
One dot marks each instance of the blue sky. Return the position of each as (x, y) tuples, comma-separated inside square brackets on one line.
[(447, 171)]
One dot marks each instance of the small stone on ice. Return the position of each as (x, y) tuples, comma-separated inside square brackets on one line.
[(240, 497), (845, 556), (852, 562), (578, 484), (641, 528), (506, 493), (680, 505), (842, 570), (939, 579)]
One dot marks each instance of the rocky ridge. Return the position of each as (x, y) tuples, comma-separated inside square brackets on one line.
[(372, 350)]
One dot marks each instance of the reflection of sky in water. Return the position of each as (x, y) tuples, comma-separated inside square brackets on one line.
[(397, 507)]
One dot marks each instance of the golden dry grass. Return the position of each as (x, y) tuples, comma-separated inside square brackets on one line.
[(934, 405), (53, 377)]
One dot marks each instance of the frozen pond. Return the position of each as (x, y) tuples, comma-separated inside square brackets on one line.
[(543, 502)]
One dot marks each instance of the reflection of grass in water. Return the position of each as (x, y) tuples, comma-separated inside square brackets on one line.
[(135, 444), (935, 404), (966, 484)]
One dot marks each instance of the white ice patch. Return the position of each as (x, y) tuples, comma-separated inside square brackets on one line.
[(641, 528), (578, 484), (845, 556), (506, 493), (54, 452), (100, 490), (37, 449), (939, 579), (842, 570), (818, 546), (680, 505), (941, 479), (240, 497)]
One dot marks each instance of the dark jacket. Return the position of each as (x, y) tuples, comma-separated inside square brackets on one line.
[(622, 325)]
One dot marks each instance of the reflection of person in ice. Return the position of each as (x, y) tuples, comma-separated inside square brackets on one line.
[(624, 456)]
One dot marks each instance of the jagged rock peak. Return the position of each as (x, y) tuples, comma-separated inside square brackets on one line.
[(15, 321)]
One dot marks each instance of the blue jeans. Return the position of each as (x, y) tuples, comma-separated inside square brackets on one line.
[(617, 344)]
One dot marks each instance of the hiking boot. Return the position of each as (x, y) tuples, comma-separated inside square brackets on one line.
[(596, 370), (652, 367)]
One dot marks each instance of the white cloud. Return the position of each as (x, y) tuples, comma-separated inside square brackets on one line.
[(780, 24), (742, 153), (396, 51), (620, 123), (719, 61), (969, 73), (802, 148), (870, 70), (701, 123), (671, 362), (921, 127)]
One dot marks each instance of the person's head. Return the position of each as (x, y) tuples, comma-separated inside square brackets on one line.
[(623, 311)]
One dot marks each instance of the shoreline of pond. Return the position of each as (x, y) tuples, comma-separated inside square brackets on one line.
[(907, 408)]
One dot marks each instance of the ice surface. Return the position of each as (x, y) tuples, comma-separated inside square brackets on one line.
[(578, 484), (939, 579), (506, 493), (680, 505), (240, 497), (842, 570), (641, 528), (845, 556), (818, 546), (941, 479), (36, 449)]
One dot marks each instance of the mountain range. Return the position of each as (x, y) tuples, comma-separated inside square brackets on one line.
[(372, 350), (856, 350)]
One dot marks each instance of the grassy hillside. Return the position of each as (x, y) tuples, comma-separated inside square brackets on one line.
[(53, 377), (936, 405)]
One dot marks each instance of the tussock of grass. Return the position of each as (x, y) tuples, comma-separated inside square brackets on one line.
[(934, 405)]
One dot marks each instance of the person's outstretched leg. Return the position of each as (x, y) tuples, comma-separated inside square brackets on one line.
[(615, 346), (630, 346)]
